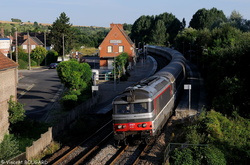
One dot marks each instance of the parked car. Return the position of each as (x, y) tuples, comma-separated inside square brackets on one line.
[(53, 65)]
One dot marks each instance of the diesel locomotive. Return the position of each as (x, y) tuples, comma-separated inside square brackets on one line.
[(141, 111)]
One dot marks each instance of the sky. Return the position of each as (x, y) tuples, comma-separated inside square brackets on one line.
[(102, 13)]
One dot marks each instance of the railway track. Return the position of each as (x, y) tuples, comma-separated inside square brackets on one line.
[(131, 154), (85, 148)]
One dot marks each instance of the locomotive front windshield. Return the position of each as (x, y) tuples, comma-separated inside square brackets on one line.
[(131, 108)]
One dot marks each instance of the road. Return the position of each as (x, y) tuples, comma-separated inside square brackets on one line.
[(38, 90)]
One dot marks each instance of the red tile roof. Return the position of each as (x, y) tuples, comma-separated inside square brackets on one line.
[(6, 63)]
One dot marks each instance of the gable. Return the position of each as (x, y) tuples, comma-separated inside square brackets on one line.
[(6, 63), (117, 36)]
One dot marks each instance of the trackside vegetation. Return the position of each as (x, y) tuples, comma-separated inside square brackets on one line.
[(23, 131), (227, 139), (219, 45)]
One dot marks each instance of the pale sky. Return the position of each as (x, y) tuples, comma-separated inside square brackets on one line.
[(103, 12)]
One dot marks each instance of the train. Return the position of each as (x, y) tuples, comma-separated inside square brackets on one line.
[(141, 111)]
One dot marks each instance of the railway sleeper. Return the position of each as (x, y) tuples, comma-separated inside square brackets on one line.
[(133, 137)]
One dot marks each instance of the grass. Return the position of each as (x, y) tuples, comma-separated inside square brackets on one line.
[(88, 51), (28, 131)]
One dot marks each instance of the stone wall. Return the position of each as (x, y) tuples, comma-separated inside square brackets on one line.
[(8, 87)]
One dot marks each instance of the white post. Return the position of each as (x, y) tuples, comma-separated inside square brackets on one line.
[(188, 87)]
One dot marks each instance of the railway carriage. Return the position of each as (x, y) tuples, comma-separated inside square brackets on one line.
[(140, 112)]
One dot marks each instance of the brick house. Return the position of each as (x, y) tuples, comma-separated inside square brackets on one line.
[(30, 43), (116, 42), (8, 87)]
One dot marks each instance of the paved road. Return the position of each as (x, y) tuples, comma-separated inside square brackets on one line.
[(37, 90)]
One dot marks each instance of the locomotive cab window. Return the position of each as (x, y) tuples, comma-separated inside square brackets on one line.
[(141, 108), (131, 108)]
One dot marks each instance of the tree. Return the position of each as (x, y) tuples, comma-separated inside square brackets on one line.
[(204, 18), (237, 20), (38, 54), (121, 62), (61, 32), (140, 31), (159, 35), (172, 25), (74, 75)]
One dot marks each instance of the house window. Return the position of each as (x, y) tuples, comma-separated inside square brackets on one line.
[(24, 46), (33, 47), (121, 49), (110, 49)]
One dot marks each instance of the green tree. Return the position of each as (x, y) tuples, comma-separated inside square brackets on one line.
[(159, 35), (172, 25), (204, 18), (61, 32), (74, 75), (140, 31), (121, 62), (237, 20), (38, 54), (16, 111)]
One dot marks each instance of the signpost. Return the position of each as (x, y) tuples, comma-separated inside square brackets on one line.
[(188, 87), (94, 88)]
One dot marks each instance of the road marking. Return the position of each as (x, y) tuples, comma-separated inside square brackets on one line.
[(26, 90)]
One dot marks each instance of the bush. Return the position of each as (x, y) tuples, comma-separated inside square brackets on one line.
[(228, 139), (51, 56), (8, 147), (69, 101), (16, 111), (33, 63), (22, 64)]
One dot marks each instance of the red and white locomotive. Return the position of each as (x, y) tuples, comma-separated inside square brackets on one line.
[(142, 110)]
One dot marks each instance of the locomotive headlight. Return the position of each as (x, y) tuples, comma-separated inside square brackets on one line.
[(139, 125), (119, 126), (144, 125), (124, 126)]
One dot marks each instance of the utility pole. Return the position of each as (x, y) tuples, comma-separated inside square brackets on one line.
[(29, 49), (16, 47), (45, 47), (10, 47), (63, 47)]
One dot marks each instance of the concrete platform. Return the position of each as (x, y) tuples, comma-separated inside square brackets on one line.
[(108, 91), (198, 94)]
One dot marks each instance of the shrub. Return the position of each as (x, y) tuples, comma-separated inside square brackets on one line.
[(8, 147), (69, 101), (16, 111), (22, 64)]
